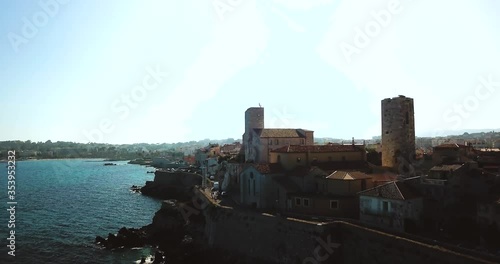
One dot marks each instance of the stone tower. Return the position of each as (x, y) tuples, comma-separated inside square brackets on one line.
[(254, 119), (398, 133)]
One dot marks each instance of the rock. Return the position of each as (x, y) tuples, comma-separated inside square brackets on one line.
[(135, 188), (100, 240), (159, 258), (127, 238)]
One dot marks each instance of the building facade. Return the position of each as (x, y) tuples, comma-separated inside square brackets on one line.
[(258, 141), (395, 205)]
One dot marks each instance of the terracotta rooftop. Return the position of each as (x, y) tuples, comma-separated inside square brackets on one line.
[(317, 148), (347, 175), (282, 132), (397, 190)]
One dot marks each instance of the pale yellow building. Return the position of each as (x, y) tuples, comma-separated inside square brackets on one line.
[(308, 155)]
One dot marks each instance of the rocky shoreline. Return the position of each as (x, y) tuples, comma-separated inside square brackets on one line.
[(175, 239)]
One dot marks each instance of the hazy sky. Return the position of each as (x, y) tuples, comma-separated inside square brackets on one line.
[(169, 71)]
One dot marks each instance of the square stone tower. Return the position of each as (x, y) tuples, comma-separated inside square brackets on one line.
[(254, 119), (398, 132)]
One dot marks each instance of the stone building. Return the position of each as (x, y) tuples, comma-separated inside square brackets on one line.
[(451, 153), (259, 141), (398, 133), (292, 156), (396, 205)]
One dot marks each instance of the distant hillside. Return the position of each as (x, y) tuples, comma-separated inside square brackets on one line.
[(63, 149), (451, 133)]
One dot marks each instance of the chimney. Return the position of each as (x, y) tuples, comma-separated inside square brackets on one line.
[(353, 141)]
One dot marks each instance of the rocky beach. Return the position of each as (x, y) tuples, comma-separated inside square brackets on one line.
[(177, 239)]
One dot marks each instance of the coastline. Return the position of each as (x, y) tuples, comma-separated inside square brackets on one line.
[(79, 158)]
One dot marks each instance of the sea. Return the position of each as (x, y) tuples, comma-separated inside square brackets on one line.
[(62, 205)]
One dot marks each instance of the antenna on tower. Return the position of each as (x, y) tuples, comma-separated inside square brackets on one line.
[(260, 105)]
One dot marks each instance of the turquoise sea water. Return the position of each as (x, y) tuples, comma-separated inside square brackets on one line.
[(63, 204)]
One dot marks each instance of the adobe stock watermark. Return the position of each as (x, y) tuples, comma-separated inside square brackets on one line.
[(482, 92), (289, 21), (329, 248), (187, 211), (31, 26), (127, 101), (222, 7), (363, 36)]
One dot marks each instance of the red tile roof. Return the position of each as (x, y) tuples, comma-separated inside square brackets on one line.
[(318, 148), (397, 190)]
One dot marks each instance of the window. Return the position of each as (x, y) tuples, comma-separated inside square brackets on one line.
[(270, 141), (277, 142), (279, 158), (385, 206), (297, 201), (334, 204), (302, 141), (407, 119), (306, 202)]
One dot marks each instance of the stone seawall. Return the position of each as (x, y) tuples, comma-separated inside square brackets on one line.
[(284, 240), (179, 179), (171, 185)]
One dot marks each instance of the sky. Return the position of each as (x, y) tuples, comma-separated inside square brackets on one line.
[(173, 71)]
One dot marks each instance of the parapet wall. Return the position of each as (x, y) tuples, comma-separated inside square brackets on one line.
[(364, 245), (280, 240)]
